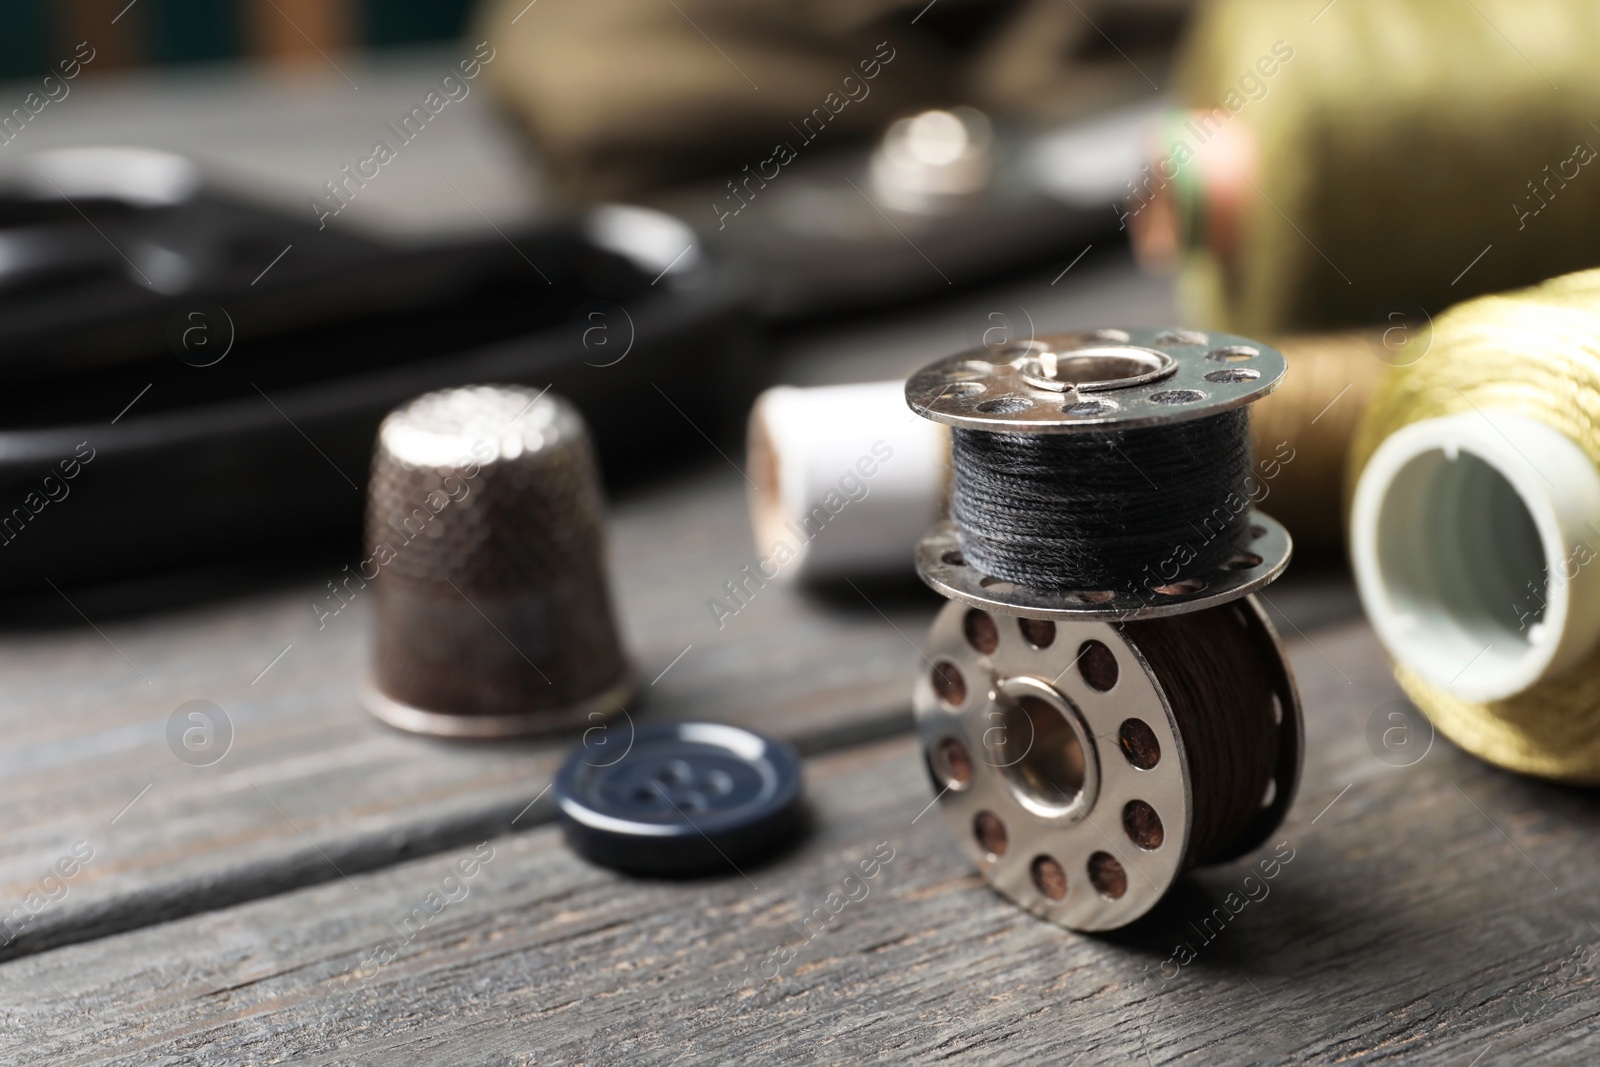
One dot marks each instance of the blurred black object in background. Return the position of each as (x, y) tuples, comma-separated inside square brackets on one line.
[(946, 198), (210, 362), (220, 397)]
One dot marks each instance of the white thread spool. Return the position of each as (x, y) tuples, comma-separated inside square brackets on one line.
[(846, 476)]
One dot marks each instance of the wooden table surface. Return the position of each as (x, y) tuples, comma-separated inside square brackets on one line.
[(240, 912), (247, 911)]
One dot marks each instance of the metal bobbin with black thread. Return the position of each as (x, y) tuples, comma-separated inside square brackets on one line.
[(1089, 741), (492, 613)]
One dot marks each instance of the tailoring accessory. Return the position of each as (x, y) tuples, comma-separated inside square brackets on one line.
[(485, 532), (1104, 704)]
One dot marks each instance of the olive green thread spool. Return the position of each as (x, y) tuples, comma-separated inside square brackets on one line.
[(1339, 158)]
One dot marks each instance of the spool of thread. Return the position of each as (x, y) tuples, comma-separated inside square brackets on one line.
[(1058, 444), (1093, 510), (1475, 527), (1303, 431), (844, 476), (492, 615), (1102, 661), (802, 442), (1084, 766), (1336, 158)]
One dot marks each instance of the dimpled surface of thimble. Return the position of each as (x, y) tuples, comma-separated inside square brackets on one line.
[(492, 598)]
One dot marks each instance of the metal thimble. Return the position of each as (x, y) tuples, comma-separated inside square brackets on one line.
[(492, 612)]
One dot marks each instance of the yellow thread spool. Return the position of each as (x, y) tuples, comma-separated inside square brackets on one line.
[(1476, 521)]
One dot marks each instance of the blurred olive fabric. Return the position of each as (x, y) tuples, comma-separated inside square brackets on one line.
[(627, 95)]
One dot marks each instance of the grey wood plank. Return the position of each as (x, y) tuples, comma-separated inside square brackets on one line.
[(1442, 912), (312, 786)]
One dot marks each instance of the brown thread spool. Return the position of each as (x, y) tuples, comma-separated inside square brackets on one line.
[(1301, 434), (1156, 747)]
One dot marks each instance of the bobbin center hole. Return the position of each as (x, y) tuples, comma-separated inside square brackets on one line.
[(1043, 750), (1093, 368)]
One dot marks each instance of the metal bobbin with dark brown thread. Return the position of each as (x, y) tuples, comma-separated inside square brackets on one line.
[(1087, 745), (493, 615)]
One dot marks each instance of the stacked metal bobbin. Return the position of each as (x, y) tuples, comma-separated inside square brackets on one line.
[(1097, 720)]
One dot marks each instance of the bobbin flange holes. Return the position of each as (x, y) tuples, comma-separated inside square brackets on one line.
[(1048, 803), (1097, 379), (1259, 560), (1064, 772)]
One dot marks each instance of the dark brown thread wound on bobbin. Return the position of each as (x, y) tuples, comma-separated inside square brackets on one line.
[(1097, 510), (1210, 666)]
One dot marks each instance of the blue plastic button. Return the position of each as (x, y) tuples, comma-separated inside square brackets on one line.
[(685, 799)]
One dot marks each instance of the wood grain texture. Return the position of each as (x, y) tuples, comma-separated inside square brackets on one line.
[(1432, 913), (313, 787)]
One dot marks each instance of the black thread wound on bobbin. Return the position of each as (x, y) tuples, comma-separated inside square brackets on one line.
[(1103, 510)]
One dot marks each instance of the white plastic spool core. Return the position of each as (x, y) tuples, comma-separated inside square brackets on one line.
[(1476, 543), (846, 476)]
